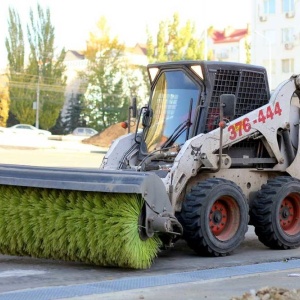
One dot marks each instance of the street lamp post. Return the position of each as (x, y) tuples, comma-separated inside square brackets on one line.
[(40, 63), (269, 55)]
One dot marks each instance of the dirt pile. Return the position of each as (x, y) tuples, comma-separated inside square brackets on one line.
[(270, 293), (105, 138)]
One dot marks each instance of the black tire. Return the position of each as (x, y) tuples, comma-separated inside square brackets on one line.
[(214, 217), (275, 213)]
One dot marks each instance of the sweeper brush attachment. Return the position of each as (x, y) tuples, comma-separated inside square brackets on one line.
[(38, 218), (95, 228)]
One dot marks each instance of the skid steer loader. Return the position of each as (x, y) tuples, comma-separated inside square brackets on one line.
[(213, 151)]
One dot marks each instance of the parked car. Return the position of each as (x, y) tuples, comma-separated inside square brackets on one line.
[(27, 129), (84, 131)]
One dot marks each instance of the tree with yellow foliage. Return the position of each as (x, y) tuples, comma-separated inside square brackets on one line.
[(175, 42), (4, 100)]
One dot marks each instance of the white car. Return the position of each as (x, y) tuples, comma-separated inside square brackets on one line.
[(27, 129), (84, 131)]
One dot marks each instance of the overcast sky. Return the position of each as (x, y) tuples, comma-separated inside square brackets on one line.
[(73, 20)]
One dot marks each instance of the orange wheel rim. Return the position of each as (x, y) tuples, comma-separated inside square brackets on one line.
[(289, 214), (224, 218)]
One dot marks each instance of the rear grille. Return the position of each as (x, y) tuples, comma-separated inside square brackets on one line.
[(249, 87)]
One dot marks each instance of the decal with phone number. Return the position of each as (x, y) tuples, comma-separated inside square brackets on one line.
[(237, 129)]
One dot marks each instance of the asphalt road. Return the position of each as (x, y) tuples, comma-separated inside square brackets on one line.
[(51, 157), (176, 273)]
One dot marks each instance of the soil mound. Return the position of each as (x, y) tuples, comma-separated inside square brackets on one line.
[(106, 137), (270, 293)]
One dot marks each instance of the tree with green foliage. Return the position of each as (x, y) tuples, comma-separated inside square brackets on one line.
[(74, 116), (137, 83), (43, 73), (15, 45), (105, 102), (175, 43), (20, 84), (47, 68)]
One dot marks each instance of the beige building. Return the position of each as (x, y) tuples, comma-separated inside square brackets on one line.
[(276, 38)]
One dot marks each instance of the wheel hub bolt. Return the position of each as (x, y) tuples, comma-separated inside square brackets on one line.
[(285, 213), (217, 217)]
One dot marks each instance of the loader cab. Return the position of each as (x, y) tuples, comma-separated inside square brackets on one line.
[(185, 98), (172, 114)]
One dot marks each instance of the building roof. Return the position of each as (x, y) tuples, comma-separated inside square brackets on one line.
[(229, 35), (74, 55), (138, 49)]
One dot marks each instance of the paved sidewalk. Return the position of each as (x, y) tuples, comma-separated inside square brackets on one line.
[(210, 284), (219, 287)]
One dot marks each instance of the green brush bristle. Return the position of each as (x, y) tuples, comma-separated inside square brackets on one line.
[(90, 227)]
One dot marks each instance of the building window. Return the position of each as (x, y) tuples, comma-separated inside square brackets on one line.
[(288, 6), (287, 35), (269, 7), (287, 65)]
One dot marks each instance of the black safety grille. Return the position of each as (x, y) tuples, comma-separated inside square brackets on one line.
[(249, 87)]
